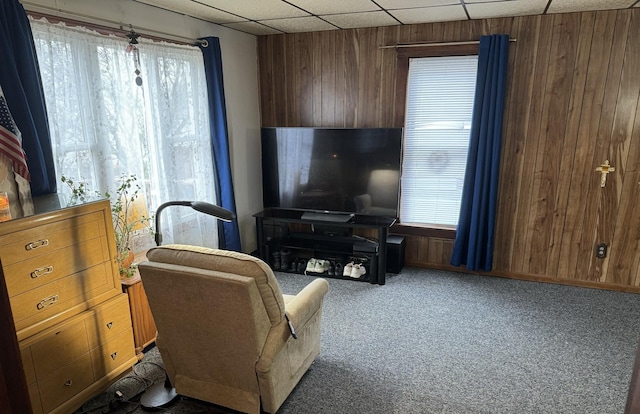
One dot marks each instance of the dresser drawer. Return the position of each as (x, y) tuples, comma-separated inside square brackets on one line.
[(30, 378), (113, 354), (109, 321), (59, 349), (34, 397), (27, 366), (64, 367), (26, 244), (40, 270), (54, 298), (65, 382)]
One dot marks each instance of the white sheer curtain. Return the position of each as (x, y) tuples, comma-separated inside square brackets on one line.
[(104, 125)]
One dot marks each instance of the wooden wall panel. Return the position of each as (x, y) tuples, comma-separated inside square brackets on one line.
[(582, 177), (563, 226), (595, 220), (562, 117), (571, 103), (628, 241), (328, 76), (618, 210), (556, 78), (512, 179)]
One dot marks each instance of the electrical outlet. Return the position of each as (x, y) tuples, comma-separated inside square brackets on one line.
[(601, 251)]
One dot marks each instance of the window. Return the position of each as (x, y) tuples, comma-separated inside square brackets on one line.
[(438, 108), (104, 125)]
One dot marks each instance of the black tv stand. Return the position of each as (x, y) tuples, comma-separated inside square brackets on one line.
[(294, 231)]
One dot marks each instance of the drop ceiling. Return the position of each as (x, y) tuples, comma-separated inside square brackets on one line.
[(264, 17)]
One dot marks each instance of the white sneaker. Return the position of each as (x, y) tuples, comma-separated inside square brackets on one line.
[(347, 269), (311, 264), (321, 266), (357, 271), (325, 265)]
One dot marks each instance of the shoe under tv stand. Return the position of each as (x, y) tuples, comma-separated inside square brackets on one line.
[(308, 236)]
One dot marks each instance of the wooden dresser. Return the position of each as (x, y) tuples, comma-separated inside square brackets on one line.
[(71, 318)]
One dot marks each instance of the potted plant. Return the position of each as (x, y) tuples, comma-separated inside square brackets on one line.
[(126, 221)]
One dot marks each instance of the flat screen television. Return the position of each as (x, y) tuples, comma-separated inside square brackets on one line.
[(332, 170)]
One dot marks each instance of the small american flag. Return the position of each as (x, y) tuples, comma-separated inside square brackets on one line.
[(11, 140)]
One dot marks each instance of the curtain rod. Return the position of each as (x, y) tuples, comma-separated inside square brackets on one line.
[(424, 44), (108, 27)]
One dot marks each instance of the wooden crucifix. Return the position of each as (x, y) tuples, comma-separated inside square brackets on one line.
[(604, 169)]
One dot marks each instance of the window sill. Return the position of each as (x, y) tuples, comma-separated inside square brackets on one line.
[(441, 232)]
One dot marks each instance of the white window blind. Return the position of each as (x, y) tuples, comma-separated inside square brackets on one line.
[(440, 93)]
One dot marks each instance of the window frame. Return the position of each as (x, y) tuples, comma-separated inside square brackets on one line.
[(404, 54)]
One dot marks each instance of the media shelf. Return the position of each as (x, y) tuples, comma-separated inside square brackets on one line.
[(276, 231)]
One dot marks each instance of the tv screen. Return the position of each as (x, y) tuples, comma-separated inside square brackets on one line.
[(352, 170)]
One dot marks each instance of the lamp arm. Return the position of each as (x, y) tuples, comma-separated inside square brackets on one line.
[(201, 206), (158, 235)]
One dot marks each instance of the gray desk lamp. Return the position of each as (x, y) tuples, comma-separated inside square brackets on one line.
[(162, 394)]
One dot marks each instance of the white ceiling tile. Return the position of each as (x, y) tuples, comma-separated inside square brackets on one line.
[(335, 6), (565, 6), (355, 20), (253, 28), (194, 9), (506, 8), (299, 24), (430, 14), (257, 9), (414, 4), (364, 13)]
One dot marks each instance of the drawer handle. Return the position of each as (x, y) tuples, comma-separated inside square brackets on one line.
[(35, 244), (68, 383), (114, 355), (41, 271), (48, 301), (109, 325)]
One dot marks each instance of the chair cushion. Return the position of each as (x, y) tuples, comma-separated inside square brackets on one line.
[(228, 262)]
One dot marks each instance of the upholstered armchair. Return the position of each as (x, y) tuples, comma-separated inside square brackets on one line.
[(223, 331)]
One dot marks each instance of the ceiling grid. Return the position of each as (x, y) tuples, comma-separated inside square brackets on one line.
[(264, 17)]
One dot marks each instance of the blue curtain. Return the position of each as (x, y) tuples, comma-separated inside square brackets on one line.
[(230, 235), (20, 80), (474, 242)]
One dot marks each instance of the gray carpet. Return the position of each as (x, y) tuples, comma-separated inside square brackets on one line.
[(440, 342)]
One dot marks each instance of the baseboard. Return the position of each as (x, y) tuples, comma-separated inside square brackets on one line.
[(534, 278)]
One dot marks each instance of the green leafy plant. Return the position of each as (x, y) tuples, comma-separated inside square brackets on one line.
[(125, 222)]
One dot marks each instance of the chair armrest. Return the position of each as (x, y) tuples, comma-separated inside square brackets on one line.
[(305, 304), (300, 309)]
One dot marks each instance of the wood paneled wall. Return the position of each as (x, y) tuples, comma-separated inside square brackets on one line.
[(572, 103)]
